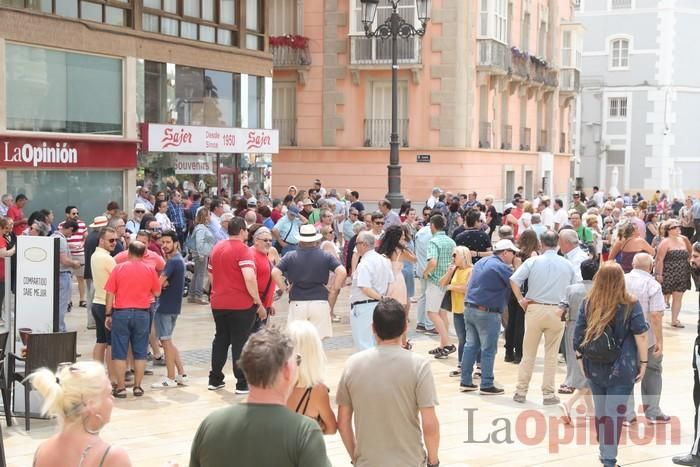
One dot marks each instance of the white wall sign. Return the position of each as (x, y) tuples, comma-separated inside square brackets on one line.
[(180, 138), (37, 284), (202, 165)]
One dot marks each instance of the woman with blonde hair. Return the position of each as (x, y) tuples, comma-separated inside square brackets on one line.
[(310, 396), (455, 283), (202, 243), (673, 268), (611, 347), (80, 396), (628, 244)]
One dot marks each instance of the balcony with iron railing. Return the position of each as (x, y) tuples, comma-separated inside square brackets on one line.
[(507, 137), (290, 51), (287, 130), (569, 80), (542, 144), (484, 135), (525, 138), (378, 132), (493, 57), (519, 64), (369, 51)]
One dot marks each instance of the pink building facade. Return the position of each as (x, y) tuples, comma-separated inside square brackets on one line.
[(489, 93)]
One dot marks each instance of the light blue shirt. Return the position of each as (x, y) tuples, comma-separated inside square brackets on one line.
[(422, 240), (696, 210), (548, 276), (284, 225)]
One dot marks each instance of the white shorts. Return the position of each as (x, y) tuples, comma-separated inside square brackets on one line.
[(318, 312), (433, 297)]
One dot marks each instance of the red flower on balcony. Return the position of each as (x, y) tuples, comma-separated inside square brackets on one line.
[(289, 40)]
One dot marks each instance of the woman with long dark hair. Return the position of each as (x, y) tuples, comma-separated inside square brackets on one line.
[(610, 315)]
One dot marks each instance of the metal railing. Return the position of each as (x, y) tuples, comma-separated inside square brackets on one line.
[(551, 79), (286, 56), (378, 132), (569, 80), (287, 130), (542, 141), (375, 51), (484, 135), (519, 66), (507, 137), (562, 142), (493, 55), (525, 138)]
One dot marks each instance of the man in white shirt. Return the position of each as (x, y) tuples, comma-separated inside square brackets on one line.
[(433, 198), (642, 285), (546, 213), (598, 197), (561, 216), (569, 247), (5, 204), (370, 283)]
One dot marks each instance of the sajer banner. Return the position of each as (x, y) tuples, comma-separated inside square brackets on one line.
[(201, 139)]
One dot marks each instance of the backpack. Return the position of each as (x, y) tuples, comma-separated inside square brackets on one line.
[(605, 348)]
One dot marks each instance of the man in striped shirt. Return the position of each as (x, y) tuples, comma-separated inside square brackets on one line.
[(76, 244)]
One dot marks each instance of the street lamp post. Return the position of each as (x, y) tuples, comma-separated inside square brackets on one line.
[(394, 27)]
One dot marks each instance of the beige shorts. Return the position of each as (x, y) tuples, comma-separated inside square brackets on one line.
[(318, 312), (80, 272), (433, 297)]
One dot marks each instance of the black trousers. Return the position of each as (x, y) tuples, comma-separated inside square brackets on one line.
[(515, 328), (232, 329), (695, 449)]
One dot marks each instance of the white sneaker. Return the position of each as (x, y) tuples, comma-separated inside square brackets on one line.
[(165, 383), (182, 380)]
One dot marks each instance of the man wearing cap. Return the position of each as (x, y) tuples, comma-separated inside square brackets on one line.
[(91, 242), (489, 288), (286, 231), (548, 276), (134, 224), (307, 271), (577, 204)]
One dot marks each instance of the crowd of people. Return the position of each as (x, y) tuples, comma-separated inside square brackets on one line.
[(593, 278)]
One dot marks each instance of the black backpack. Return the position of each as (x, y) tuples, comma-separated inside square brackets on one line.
[(605, 348)]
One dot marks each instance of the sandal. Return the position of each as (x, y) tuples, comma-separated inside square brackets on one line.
[(407, 345), (566, 416), (678, 325), (442, 354), (450, 348), (435, 351), (455, 373), (138, 391), (119, 393), (564, 389)]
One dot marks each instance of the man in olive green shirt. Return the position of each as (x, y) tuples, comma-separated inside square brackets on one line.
[(262, 432)]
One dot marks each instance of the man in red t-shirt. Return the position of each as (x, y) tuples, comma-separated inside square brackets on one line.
[(262, 242), (130, 290), (235, 301), (17, 215)]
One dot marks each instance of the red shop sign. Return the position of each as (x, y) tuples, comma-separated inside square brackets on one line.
[(52, 153)]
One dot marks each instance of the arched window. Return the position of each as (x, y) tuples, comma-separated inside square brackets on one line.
[(619, 54)]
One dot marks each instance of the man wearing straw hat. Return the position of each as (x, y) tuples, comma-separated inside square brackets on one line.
[(307, 270), (91, 242)]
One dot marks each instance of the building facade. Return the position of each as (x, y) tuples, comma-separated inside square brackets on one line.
[(641, 90), (81, 77), (488, 93)]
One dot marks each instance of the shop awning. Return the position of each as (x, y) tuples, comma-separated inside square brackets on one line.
[(157, 137)]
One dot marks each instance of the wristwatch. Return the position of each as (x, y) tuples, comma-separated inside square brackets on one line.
[(436, 464)]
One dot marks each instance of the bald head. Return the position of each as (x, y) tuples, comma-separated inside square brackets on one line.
[(643, 261)]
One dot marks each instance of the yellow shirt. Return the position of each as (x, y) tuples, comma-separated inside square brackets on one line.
[(460, 277), (102, 264)]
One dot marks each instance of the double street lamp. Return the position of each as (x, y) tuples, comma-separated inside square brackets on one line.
[(393, 28)]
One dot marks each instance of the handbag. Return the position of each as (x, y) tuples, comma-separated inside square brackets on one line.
[(278, 247)]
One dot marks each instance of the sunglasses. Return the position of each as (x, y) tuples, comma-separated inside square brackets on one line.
[(674, 227), (266, 240), (140, 212), (112, 240), (74, 213), (379, 223)]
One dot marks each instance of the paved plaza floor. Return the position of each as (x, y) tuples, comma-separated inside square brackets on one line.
[(475, 430)]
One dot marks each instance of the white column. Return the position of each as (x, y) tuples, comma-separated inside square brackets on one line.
[(244, 100), (268, 102), (3, 100)]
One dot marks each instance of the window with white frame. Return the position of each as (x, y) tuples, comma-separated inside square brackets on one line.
[(406, 9), (566, 49), (525, 33), (619, 53), (617, 107), (542, 33), (493, 19)]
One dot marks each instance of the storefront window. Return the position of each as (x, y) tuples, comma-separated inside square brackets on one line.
[(219, 99), (90, 190), (256, 101), (54, 91)]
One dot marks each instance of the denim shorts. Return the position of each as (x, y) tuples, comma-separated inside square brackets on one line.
[(165, 325), (103, 334), (130, 326)]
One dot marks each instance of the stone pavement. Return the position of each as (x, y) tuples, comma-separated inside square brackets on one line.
[(475, 430)]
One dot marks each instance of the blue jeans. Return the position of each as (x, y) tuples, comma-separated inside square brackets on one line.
[(288, 248), (361, 325), (200, 270), (409, 278), (482, 329), (609, 416), (461, 330), (130, 326), (421, 314), (64, 291)]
